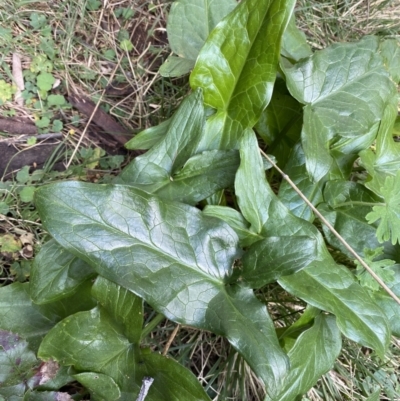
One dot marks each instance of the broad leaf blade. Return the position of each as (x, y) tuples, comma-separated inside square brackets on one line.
[(155, 167), (17, 361), (95, 341), (313, 355), (168, 253), (237, 68), (345, 89), (176, 66), (388, 214), (294, 43), (236, 221), (191, 21), (296, 170), (321, 283), (56, 273), (280, 123), (269, 259), (201, 176), (332, 288), (101, 387), (347, 205), (21, 316), (149, 137)]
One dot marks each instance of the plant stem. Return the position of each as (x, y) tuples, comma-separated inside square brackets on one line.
[(152, 324), (335, 233)]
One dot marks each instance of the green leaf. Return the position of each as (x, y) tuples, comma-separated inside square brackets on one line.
[(390, 50), (17, 362), (294, 43), (56, 274), (149, 137), (26, 194), (105, 340), (176, 66), (385, 160), (345, 89), (45, 81), (332, 288), (126, 45), (388, 213), (201, 176), (20, 316), (189, 24), (180, 142), (269, 259), (23, 175), (379, 267), (297, 171), (347, 205), (280, 123), (323, 283), (56, 100), (101, 387), (313, 355), (237, 67), (387, 303), (236, 221), (171, 255)]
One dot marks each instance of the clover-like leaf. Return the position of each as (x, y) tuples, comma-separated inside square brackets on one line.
[(380, 267), (389, 212), (173, 256)]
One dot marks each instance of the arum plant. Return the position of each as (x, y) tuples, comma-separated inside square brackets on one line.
[(193, 226)]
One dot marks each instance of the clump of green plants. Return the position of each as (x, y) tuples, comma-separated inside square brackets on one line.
[(194, 229)]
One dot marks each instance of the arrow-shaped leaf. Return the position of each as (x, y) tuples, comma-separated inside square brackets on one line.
[(345, 89), (171, 255), (313, 355), (323, 283)]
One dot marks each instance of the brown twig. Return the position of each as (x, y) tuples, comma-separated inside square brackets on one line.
[(334, 232)]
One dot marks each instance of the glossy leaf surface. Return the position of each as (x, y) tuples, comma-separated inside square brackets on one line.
[(333, 289), (323, 283), (297, 171), (237, 67), (189, 24), (155, 167), (17, 361), (201, 176), (294, 43), (21, 316), (149, 137), (280, 123), (56, 273), (345, 89), (269, 259), (312, 355), (106, 340), (236, 221), (347, 205), (171, 255)]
